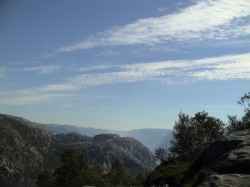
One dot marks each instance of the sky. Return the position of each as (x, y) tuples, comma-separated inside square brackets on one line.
[(123, 64)]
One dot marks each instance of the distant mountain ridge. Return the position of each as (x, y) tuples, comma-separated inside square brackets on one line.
[(151, 138), (65, 129)]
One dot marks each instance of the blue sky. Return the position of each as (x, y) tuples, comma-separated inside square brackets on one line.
[(123, 64)]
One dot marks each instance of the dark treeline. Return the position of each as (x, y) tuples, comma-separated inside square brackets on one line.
[(76, 170)]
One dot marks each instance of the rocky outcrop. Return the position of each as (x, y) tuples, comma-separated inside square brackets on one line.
[(71, 138), (225, 162), (105, 137), (229, 159), (23, 145)]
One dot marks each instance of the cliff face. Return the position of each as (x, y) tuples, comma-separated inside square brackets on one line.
[(229, 160), (23, 145), (104, 149)]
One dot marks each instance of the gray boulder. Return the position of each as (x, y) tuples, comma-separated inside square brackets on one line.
[(229, 158), (226, 180)]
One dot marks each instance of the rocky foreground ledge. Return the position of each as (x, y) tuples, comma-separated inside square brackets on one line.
[(227, 180), (229, 160)]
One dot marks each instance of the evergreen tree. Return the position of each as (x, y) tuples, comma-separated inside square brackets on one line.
[(73, 170), (118, 175), (46, 179), (117, 172)]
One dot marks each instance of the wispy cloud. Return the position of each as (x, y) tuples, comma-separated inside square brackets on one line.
[(34, 99), (94, 68), (41, 69), (37, 69), (233, 67), (29, 97), (218, 68), (162, 9), (223, 19), (2, 72)]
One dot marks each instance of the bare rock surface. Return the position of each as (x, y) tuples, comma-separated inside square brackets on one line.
[(23, 145), (227, 180), (230, 159)]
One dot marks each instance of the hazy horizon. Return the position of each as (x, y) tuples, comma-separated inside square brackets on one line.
[(108, 129), (123, 65)]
